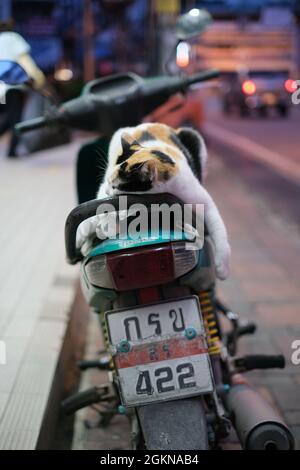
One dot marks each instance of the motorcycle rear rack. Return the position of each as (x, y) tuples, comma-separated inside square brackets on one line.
[(90, 209)]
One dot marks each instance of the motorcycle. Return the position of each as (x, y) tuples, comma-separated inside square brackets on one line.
[(173, 370), (33, 103)]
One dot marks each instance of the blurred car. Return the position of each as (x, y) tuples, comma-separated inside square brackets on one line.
[(258, 91)]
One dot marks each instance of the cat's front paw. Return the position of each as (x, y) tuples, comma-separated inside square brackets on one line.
[(222, 263), (107, 225)]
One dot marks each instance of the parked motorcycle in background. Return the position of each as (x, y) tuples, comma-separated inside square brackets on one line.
[(172, 369), (21, 103)]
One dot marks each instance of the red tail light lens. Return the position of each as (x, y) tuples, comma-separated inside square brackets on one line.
[(142, 267), (249, 87), (133, 269)]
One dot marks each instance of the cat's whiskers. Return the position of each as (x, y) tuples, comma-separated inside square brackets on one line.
[(103, 162)]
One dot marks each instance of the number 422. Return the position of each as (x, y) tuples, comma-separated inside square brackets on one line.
[(164, 377)]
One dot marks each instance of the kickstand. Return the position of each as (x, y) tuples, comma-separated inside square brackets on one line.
[(104, 416)]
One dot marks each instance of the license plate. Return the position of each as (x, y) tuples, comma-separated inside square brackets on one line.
[(160, 351)]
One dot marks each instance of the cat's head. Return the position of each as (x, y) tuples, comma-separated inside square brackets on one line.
[(140, 167), (153, 158)]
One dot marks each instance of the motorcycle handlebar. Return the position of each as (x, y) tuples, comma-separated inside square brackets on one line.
[(53, 116), (202, 77), (30, 125), (112, 104)]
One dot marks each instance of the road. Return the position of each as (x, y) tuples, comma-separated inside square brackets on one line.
[(280, 135), (263, 153)]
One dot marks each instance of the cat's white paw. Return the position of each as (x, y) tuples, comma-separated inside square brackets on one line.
[(222, 262), (107, 225), (85, 230)]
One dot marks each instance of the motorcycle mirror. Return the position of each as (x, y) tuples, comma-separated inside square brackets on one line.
[(11, 73), (192, 23)]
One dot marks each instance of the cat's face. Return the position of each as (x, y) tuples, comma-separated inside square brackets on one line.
[(140, 168)]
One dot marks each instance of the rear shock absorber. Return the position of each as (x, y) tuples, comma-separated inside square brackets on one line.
[(105, 336), (210, 322)]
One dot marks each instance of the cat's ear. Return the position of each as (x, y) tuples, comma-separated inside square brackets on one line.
[(129, 143), (129, 147), (194, 143)]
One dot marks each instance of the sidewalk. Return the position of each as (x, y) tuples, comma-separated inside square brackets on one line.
[(264, 287), (36, 286)]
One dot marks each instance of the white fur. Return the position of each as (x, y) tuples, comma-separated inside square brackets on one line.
[(184, 185)]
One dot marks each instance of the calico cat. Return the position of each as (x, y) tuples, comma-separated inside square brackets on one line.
[(154, 158)]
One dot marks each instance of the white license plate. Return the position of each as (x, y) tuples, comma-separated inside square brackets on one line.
[(160, 351)]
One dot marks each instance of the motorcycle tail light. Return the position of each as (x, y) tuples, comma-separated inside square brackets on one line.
[(184, 260), (97, 272), (141, 267), (133, 269)]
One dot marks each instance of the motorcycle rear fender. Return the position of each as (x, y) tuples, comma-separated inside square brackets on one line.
[(174, 425)]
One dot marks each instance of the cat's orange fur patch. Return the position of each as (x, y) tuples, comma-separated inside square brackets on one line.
[(162, 168)]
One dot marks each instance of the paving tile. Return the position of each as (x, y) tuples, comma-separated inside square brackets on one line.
[(292, 418), (279, 314), (297, 379), (269, 289), (287, 397), (283, 342), (295, 430), (258, 270)]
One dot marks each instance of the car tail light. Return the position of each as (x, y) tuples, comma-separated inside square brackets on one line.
[(142, 267), (290, 85), (249, 87)]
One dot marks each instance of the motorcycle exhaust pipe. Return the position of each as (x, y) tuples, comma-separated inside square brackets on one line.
[(258, 425)]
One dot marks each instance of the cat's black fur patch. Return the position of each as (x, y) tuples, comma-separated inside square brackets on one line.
[(131, 173), (166, 175), (124, 166), (135, 185), (164, 158), (122, 158), (190, 149), (145, 137), (127, 150)]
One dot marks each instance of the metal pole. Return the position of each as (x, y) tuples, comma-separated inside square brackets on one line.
[(5, 10), (88, 46)]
